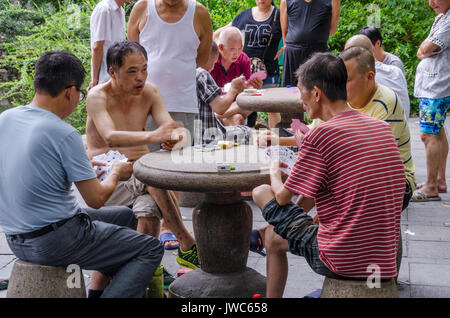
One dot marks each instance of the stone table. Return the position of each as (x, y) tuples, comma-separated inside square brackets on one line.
[(222, 221), (283, 100)]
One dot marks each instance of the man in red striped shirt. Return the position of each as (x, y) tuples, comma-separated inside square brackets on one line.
[(350, 168)]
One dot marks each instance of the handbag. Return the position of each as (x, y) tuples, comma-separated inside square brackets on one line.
[(257, 64)]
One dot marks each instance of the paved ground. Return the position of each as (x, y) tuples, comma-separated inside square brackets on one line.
[(425, 269)]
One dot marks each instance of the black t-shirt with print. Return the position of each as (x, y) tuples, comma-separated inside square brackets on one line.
[(257, 35)]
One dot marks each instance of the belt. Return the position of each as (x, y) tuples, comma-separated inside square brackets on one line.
[(45, 229)]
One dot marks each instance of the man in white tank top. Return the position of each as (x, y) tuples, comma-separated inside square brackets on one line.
[(177, 35)]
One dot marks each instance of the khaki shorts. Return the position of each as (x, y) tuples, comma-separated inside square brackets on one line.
[(132, 193)]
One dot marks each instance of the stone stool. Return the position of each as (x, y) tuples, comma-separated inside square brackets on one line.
[(335, 288), (37, 281)]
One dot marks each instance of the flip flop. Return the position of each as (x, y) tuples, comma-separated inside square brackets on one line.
[(419, 196), (168, 237), (439, 189), (256, 243)]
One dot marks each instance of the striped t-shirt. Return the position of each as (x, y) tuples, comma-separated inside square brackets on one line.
[(351, 166)]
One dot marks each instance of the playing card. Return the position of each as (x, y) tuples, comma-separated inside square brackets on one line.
[(260, 74), (283, 154), (108, 159)]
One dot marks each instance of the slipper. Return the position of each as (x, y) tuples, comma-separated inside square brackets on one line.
[(4, 284), (419, 196), (439, 189), (256, 243), (168, 237)]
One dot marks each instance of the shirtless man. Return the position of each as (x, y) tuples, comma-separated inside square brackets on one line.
[(117, 113)]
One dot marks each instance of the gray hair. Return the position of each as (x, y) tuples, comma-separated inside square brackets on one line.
[(228, 33)]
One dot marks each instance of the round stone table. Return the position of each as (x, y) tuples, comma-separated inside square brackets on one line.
[(222, 221), (283, 100)]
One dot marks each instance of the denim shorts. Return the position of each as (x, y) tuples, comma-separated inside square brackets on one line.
[(433, 114), (298, 228)]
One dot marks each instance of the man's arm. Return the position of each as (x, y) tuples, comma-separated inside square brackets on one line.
[(283, 20), (220, 104), (204, 30), (335, 13), (427, 49), (95, 194), (282, 195), (137, 20), (96, 108), (97, 57)]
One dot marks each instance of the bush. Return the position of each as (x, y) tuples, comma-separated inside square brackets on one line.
[(66, 29)]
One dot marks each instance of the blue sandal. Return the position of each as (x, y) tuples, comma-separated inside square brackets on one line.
[(256, 243), (168, 237)]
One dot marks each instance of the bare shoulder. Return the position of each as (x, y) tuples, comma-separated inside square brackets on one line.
[(97, 96), (202, 13), (139, 10)]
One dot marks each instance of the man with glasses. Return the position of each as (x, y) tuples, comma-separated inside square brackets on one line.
[(39, 212)]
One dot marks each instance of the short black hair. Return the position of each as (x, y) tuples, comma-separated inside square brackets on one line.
[(117, 52), (326, 71), (57, 70), (364, 58), (372, 33), (214, 48)]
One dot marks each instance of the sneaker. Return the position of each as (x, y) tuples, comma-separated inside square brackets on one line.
[(168, 279), (189, 258)]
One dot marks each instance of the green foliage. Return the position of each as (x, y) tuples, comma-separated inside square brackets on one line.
[(66, 29), (17, 21), (404, 24), (37, 26)]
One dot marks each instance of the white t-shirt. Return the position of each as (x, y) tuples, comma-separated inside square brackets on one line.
[(392, 77), (107, 24)]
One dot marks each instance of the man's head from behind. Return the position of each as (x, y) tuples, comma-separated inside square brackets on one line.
[(56, 71), (230, 44), (360, 64), (321, 79), (213, 56), (127, 65)]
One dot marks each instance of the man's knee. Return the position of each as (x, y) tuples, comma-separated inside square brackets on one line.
[(262, 194), (273, 242)]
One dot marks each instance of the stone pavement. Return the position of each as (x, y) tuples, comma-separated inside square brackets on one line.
[(425, 269)]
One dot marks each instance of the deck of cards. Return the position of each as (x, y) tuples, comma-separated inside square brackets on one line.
[(283, 154), (108, 159)]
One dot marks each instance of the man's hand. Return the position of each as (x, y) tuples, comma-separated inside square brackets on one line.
[(238, 84), (179, 139), (280, 51), (92, 84), (165, 132), (268, 138), (256, 83), (98, 163), (123, 170)]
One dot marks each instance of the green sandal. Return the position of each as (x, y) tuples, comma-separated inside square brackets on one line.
[(189, 258)]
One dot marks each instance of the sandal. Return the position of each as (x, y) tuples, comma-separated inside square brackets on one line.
[(419, 196), (168, 237), (256, 243)]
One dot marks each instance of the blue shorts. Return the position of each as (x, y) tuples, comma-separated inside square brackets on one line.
[(433, 114)]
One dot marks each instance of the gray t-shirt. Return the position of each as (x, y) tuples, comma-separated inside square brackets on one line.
[(41, 156), (392, 59), (433, 73)]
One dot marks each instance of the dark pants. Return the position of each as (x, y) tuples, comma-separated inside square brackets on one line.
[(90, 241), (294, 56)]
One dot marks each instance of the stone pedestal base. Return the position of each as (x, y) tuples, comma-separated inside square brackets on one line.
[(200, 284), (190, 199), (37, 281)]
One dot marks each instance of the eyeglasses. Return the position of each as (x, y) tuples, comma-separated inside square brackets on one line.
[(82, 91)]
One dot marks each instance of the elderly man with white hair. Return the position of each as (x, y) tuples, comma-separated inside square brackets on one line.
[(232, 63)]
